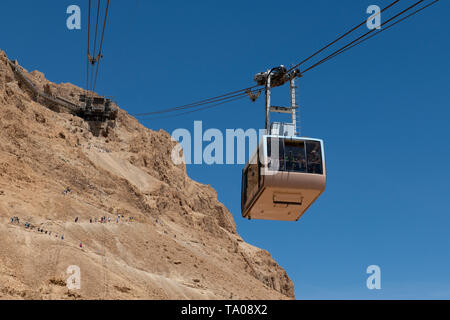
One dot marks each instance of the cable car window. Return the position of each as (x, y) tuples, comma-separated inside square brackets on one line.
[(276, 162), (314, 157), (252, 181), (295, 156), (244, 188), (260, 165)]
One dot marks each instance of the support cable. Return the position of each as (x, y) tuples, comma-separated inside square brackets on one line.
[(385, 28), (340, 38), (238, 94), (339, 51), (200, 103), (88, 47), (101, 45)]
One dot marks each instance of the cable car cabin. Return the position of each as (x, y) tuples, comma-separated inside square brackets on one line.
[(283, 178), (97, 109)]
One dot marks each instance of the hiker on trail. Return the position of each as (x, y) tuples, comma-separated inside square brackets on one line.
[(62, 237), (90, 220), (81, 245)]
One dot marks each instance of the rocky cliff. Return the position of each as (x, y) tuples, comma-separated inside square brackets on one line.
[(181, 243)]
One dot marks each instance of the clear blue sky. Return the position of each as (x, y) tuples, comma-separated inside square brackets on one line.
[(381, 108)]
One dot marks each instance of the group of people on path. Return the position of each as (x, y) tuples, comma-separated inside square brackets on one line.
[(67, 191), (104, 219), (15, 220), (31, 227)]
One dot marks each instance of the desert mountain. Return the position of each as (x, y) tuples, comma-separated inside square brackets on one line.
[(174, 239)]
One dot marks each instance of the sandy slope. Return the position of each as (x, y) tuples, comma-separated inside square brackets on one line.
[(183, 244)]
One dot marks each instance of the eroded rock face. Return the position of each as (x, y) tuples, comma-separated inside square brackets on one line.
[(181, 244)]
